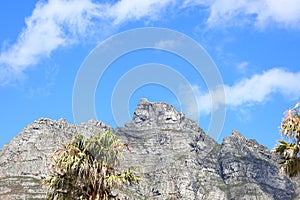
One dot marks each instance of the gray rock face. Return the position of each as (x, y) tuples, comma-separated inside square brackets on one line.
[(177, 159), (250, 171), (174, 153), (26, 156)]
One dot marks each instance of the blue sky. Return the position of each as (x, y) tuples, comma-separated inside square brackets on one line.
[(254, 44)]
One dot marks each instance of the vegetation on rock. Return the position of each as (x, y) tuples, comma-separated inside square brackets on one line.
[(88, 168), (289, 149)]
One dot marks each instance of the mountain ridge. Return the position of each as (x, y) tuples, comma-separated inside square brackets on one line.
[(179, 160)]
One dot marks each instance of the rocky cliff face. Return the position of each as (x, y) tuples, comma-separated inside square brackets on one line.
[(23, 161), (178, 160), (250, 171)]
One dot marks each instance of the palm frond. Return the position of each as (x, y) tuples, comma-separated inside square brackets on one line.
[(291, 167), (290, 128), (88, 168)]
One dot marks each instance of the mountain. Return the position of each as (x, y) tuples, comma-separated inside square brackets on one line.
[(177, 159)]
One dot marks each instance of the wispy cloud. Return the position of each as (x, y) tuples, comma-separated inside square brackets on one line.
[(261, 13), (60, 23), (167, 44), (242, 67), (249, 91)]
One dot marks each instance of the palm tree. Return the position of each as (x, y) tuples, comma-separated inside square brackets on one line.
[(88, 168), (288, 150)]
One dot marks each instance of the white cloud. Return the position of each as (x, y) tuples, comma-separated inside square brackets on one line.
[(284, 13), (52, 25), (242, 67), (59, 23), (258, 88), (167, 44), (250, 91), (136, 9)]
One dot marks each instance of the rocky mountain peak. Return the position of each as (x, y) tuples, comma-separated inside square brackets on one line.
[(242, 145), (156, 114), (236, 133), (245, 164)]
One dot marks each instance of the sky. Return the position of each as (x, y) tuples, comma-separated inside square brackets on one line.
[(254, 46)]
